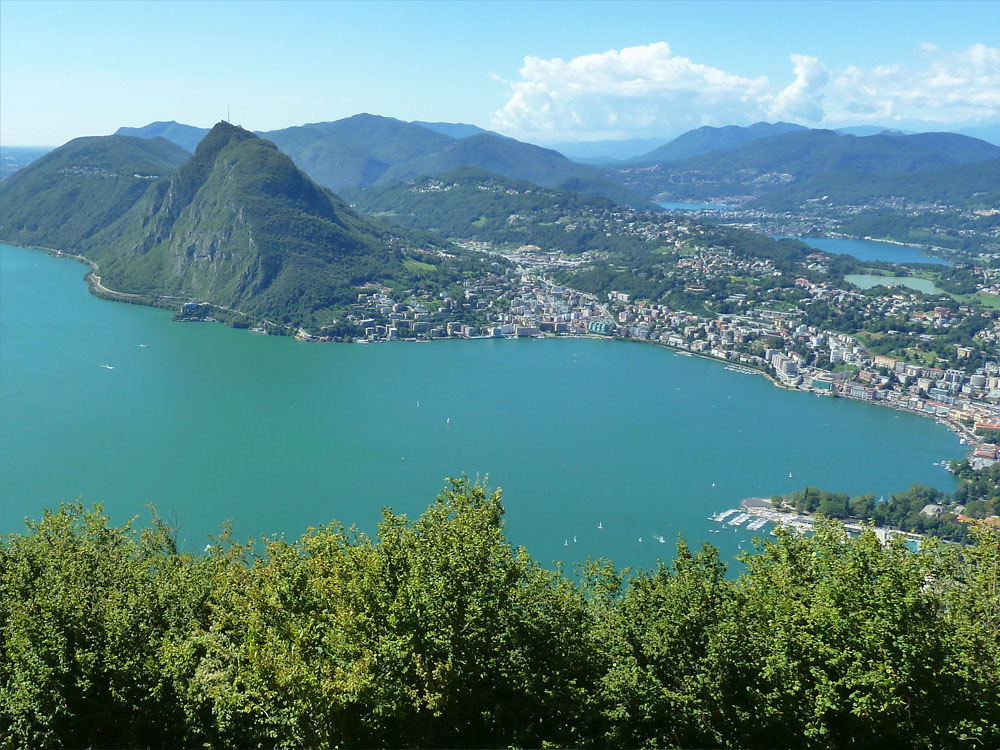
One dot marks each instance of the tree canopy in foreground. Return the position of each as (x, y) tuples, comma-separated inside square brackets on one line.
[(437, 633)]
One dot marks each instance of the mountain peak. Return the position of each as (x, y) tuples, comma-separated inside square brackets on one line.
[(221, 135)]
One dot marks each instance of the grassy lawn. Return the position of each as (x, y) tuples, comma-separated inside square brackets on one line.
[(417, 266), (917, 355), (989, 301)]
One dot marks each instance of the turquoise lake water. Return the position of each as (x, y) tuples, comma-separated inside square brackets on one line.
[(211, 423), (866, 281), (869, 249)]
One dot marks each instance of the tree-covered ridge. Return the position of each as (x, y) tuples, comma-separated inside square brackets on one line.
[(707, 138), (67, 196), (186, 136), (368, 149), (437, 633), (471, 204), (975, 185), (769, 164), (236, 225)]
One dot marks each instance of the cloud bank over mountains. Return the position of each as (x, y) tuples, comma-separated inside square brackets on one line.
[(649, 91)]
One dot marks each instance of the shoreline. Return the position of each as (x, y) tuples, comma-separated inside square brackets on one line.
[(803, 521), (99, 290)]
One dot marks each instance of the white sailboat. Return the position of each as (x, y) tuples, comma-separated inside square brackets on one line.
[(600, 525)]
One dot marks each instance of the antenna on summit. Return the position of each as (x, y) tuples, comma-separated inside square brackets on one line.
[(227, 113)]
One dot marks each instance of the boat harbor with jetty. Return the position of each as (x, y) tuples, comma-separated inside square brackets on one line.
[(759, 511)]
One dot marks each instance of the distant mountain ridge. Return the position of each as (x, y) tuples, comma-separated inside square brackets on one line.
[(706, 139), (975, 184), (455, 129), (236, 224), (768, 164), (605, 151), (369, 149), (186, 136)]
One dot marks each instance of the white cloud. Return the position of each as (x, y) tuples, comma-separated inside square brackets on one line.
[(802, 99), (634, 89), (954, 87), (648, 90)]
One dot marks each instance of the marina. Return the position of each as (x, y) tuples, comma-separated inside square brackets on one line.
[(743, 370), (740, 519)]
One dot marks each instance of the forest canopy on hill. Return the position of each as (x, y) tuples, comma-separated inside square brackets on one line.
[(437, 633)]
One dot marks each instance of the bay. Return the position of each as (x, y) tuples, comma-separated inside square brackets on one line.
[(868, 249), (210, 423)]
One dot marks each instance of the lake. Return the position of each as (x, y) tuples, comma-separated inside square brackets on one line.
[(868, 249), (866, 281), (210, 423)]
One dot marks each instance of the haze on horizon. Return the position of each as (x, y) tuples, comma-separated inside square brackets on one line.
[(544, 72)]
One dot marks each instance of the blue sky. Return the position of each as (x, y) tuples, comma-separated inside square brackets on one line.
[(539, 71)]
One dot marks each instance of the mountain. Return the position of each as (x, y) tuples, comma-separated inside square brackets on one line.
[(66, 197), (972, 185), (236, 225), (769, 164), (455, 129), (357, 150), (372, 150), (516, 160), (806, 153), (369, 150), (867, 130), (706, 139), (471, 204), (186, 136)]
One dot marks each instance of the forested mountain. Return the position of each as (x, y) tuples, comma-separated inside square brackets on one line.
[(371, 150), (236, 225), (767, 164), (357, 150), (186, 136), (66, 197), (705, 139), (454, 129), (469, 203), (975, 184)]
